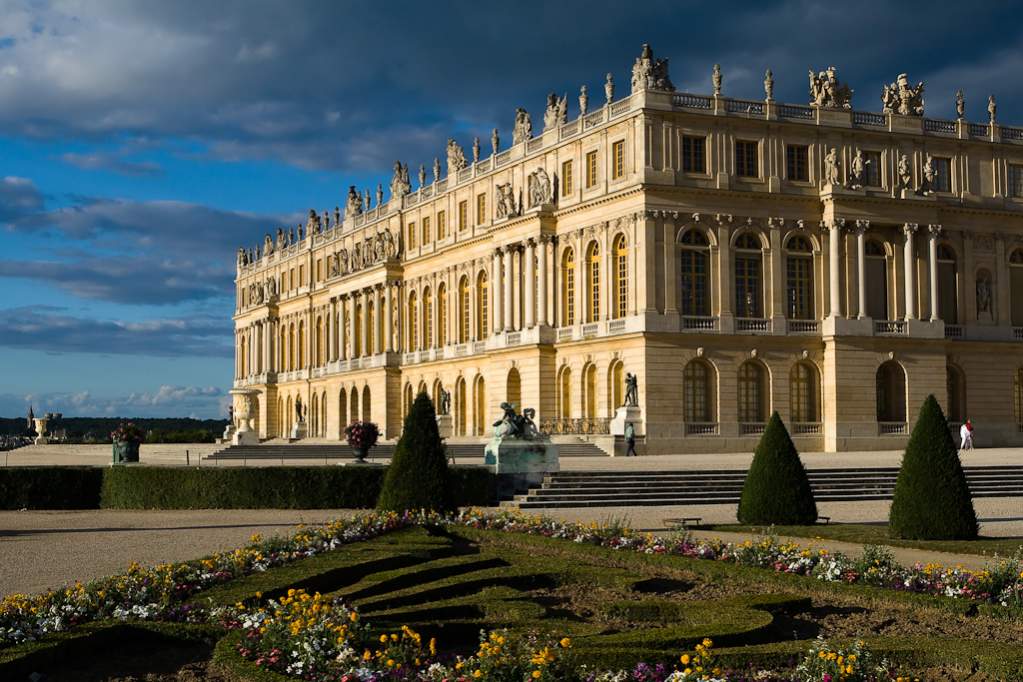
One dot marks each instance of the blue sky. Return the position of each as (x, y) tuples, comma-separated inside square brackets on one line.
[(141, 142)]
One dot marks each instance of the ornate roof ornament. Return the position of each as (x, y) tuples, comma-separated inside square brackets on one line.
[(400, 183), (902, 98), (556, 112), (456, 157), (827, 92), (715, 80), (353, 205), (649, 73), (523, 129)]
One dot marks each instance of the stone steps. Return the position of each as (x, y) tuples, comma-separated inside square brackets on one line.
[(297, 451)]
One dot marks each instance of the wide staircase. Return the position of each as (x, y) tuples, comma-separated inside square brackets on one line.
[(282, 451), (661, 488)]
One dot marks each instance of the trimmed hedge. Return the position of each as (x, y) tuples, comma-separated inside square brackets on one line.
[(777, 490), (135, 487), (418, 475)]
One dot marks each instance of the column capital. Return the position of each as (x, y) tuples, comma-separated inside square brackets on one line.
[(909, 228), (934, 230), (861, 226)]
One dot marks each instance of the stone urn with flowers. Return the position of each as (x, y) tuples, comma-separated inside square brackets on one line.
[(126, 439), (361, 436)]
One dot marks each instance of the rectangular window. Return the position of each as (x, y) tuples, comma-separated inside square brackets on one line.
[(319, 269), (426, 231), (301, 275), (291, 278), (463, 215), (591, 169), (566, 178), (618, 160), (797, 162), (412, 235), (942, 174), (1016, 181), (694, 154), (442, 224), (746, 162), (872, 174), (481, 208)]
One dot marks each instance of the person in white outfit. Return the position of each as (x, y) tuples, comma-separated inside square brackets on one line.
[(966, 436)]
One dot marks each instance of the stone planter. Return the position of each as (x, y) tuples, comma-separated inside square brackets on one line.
[(126, 452), (360, 454)]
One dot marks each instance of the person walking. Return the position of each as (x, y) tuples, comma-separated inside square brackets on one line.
[(630, 440), (966, 436)]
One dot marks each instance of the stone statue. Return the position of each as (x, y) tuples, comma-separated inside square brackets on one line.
[(332, 265), (343, 262), (312, 223), (529, 430), (242, 258), (609, 89), (400, 184), (456, 157), (631, 390), (392, 249), (831, 167), (992, 108), (495, 142), (769, 86), (380, 194), (475, 150), (337, 216), (715, 80), (827, 92), (422, 176), (505, 205), (523, 126), (930, 174), (379, 247), (649, 73), (271, 289), (984, 296), (905, 177), (584, 100), (436, 170), (268, 244), (280, 239), (445, 401), (299, 412), (369, 200), (556, 112), (901, 98), (960, 105), (856, 170), (510, 424), (353, 206), (539, 188)]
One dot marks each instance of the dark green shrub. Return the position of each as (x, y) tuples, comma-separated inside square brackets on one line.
[(418, 475), (932, 500), (777, 490), (64, 487)]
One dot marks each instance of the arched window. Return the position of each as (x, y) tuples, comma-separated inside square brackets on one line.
[(371, 328), (948, 285), (280, 418), (480, 406), (1016, 287), (319, 341), (749, 276), (482, 314), (435, 394), (407, 402), (289, 413), (241, 357), (367, 411), (301, 344), (620, 277), (891, 393), (615, 387), (568, 288), (565, 393), (291, 347), (804, 393), (694, 257), (799, 278), (442, 315), (427, 341), (342, 412), (513, 393), (698, 393), (323, 415), (314, 416), (753, 393), (955, 386), (463, 310), (590, 391), (282, 347), (413, 327), (353, 404), (461, 408), (593, 282), (421, 388), (412, 235), (876, 269)]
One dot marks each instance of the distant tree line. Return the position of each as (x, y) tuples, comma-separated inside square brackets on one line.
[(97, 429)]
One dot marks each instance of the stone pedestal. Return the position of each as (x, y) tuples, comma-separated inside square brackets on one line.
[(625, 415), (299, 431), (446, 425), (243, 435), (520, 464), (40, 424), (228, 433)]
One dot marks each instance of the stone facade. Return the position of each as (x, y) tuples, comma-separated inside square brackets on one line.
[(738, 256)]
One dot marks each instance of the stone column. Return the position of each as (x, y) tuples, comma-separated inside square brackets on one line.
[(541, 288), (529, 283), (509, 315), (353, 330), (834, 244), (909, 261), (933, 231), (496, 295), (861, 266), (388, 323)]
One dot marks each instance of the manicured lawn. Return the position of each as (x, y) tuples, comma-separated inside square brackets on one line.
[(874, 534)]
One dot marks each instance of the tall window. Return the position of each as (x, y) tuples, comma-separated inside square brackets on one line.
[(513, 388), (427, 238), (593, 282), (412, 235), (481, 208), (615, 387), (872, 172), (566, 178), (442, 315), (568, 288), (591, 169), (442, 225), (463, 310), (876, 268), (694, 257), (943, 174), (318, 360), (427, 318), (620, 283), (371, 329), (797, 165), (799, 279), (301, 344), (413, 326), (752, 393), (804, 398), (694, 154), (746, 159), (565, 393), (948, 309), (748, 267), (480, 407), (617, 160), (955, 388), (698, 392), (463, 215), (891, 392), (481, 306), (1015, 181), (590, 390)]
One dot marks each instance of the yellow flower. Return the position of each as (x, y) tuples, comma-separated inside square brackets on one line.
[(685, 659), (565, 642), (536, 674)]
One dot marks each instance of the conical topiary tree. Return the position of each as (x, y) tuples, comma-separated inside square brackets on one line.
[(932, 500), (777, 490), (418, 475)]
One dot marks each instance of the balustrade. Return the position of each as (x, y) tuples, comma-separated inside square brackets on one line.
[(581, 426)]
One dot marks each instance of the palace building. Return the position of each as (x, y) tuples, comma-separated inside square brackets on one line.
[(737, 256)]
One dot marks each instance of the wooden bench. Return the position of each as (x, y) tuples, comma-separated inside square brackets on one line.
[(683, 522), (824, 520)]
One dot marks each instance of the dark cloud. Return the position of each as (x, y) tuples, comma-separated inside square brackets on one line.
[(53, 330), (19, 198), (202, 402), (112, 163)]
